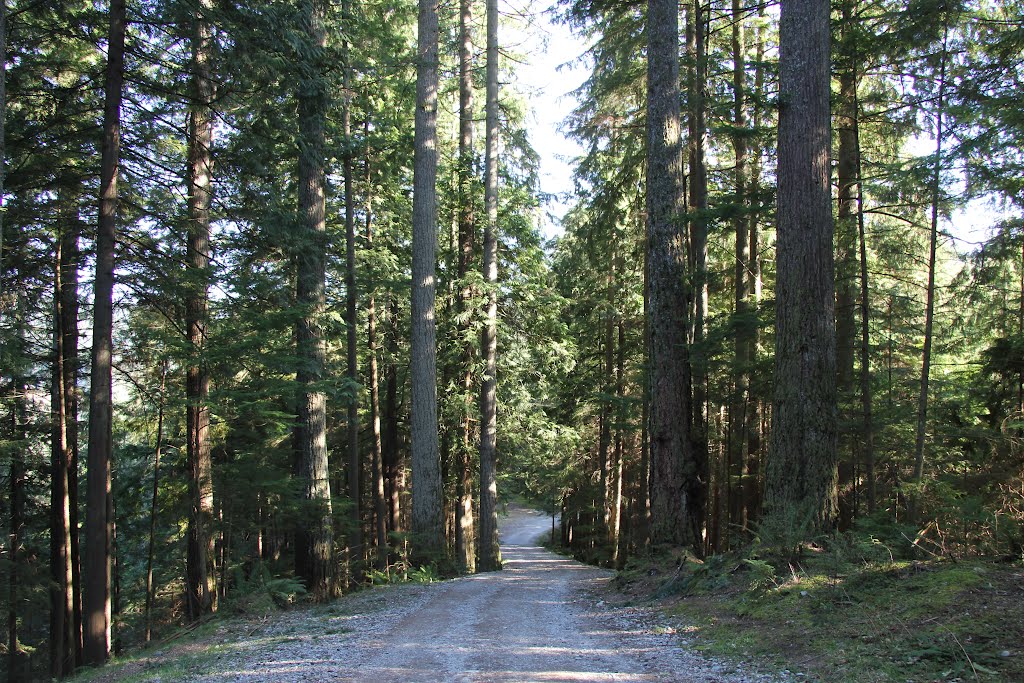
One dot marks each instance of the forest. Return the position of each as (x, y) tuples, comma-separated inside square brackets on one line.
[(278, 315)]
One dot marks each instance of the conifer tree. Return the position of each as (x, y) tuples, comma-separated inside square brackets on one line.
[(99, 523), (800, 488)]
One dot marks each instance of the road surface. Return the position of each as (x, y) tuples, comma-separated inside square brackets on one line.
[(540, 620)]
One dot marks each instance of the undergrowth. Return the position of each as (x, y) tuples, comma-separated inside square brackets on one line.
[(863, 606)]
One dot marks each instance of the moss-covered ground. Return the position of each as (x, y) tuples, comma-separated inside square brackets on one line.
[(832, 614)]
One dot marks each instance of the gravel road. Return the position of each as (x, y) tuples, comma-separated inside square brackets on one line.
[(541, 619)]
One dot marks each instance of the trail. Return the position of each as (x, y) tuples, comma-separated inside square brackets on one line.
[(541, 619)]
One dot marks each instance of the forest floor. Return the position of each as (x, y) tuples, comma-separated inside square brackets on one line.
[(543, 618), (837, 616)]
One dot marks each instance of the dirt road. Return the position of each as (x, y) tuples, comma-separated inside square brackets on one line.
[(541, 619)]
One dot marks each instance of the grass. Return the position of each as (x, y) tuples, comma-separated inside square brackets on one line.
[(837, 616)]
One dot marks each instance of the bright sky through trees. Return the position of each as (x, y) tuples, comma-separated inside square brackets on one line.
[(551, 72)]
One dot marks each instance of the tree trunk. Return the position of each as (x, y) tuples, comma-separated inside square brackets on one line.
[(615, 522), (607, 405), (490, 552), (465, 539), (201, 585), (800, 490), (16, 669), (743, 347), (697, 47), (846, 266), (352, 358), (379, 499), (643, 533), (678, 475), (752, 483), (317, 529), (390, 454), (868, 454), (926, 353), (62, 639), (427, 518), (3, 127), (98, 530), (71, 256), (153, 507)]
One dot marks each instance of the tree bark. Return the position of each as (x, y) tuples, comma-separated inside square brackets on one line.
[(678, 475), (698, 184), (390, 455), (926, 352), (846, 266), (201, 584), (618, 464), (490, 552), (465, 539), (379, 496), (3, 126), (752, 484), (352, 357), (427, 518), (98, 530), (153, 507), (62, 636), (865, 336), (16, 668), (317, 530), (743, 351), (604, 442), (800, 490)]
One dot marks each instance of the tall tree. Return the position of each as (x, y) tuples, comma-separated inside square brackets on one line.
[(465, 546), (936, 193), (800, 487), (201, 584), (933, 238), (743, 346), (153, 501), (696, 39), (315, 560), (64, 436), (16, 666), (678, 476), (376, 444), (3, 123), (351, 349), (99, 523), (427, 518), (846, 255), (490, 552)]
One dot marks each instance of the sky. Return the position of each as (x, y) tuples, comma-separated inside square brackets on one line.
[(548, 80), (553, 70)]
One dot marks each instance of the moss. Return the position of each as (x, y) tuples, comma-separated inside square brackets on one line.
[(834, 620)]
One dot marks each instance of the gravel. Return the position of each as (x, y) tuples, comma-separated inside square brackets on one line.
[(542, 619)]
